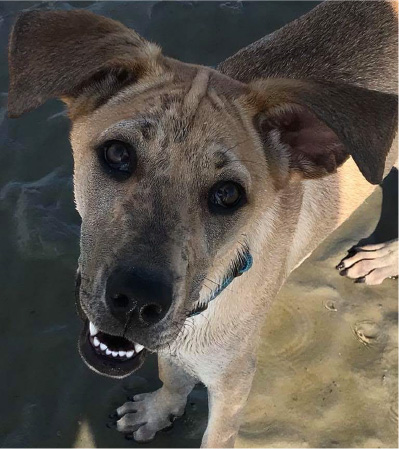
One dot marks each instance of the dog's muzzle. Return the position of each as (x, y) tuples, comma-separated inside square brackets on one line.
[(118, 357)]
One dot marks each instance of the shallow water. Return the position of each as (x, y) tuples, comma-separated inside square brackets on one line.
[(327, 370)]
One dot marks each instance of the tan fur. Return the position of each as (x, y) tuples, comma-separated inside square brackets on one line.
[(353, 190)]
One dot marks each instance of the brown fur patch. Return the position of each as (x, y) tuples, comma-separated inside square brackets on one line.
[(47, 58)]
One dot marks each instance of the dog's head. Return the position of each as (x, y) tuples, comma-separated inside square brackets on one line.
[(174, 163)]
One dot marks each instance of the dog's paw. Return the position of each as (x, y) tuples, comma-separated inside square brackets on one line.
[(148, 414), (371, 264)]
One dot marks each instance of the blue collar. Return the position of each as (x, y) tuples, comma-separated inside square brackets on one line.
[(246, 263)]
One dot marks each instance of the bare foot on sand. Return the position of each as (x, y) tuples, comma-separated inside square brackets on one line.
[(371, 264)]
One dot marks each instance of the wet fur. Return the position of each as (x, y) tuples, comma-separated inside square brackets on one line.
[(190, 124)]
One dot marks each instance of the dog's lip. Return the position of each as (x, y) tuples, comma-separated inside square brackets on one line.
[(97, 359)]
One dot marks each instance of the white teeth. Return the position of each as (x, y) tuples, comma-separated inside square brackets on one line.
[(138, 347), (103, 347), (93, 329)]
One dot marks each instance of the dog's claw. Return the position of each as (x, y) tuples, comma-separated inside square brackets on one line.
[(361, 280), (113, 415), (343, 272), (340, 266), (111, 425)]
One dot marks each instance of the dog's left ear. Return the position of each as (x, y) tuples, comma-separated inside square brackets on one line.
[(78, 56), (319, 125)]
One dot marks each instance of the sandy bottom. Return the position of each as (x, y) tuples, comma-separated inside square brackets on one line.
[(327, 370)]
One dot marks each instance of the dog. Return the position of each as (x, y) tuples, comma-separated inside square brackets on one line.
[(201, 189)]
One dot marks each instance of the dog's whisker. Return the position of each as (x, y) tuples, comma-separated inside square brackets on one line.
[(207, 286), (235, 146), (216, 283)]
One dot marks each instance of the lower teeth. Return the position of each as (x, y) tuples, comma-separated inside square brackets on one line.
[(101, 348)]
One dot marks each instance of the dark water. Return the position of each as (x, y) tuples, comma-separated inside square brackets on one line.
[(47, 393)]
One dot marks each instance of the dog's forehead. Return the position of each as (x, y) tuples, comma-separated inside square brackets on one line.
[(193, 115)]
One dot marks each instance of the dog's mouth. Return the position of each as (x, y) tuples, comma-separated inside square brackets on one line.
[(109, 355)]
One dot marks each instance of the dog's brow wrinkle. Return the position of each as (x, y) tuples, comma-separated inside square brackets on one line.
[(215, 100), (125, 94), (191, 103), (198, 90)]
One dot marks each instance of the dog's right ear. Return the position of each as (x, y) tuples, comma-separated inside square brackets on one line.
[(317, 125), (70, 54)]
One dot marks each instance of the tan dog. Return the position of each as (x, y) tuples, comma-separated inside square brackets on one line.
[(186, 176)]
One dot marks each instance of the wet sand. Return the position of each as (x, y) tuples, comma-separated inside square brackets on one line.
[(327, 372), (328, 359)]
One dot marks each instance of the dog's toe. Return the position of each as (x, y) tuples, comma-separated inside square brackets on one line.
[(378, 275), (130, 422), (371, 264), (362, 268), (140, 397), (127, 407)]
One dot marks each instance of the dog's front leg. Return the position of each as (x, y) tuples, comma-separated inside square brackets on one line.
[(227, 397), (151, 412)]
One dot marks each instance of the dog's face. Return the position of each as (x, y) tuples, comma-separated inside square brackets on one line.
[(165, 182), (174, 166)]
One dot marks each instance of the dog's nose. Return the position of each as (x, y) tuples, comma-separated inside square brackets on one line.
[(141, 295)]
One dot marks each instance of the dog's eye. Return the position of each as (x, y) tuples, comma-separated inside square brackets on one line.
[(119, 156), (226, 194)]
